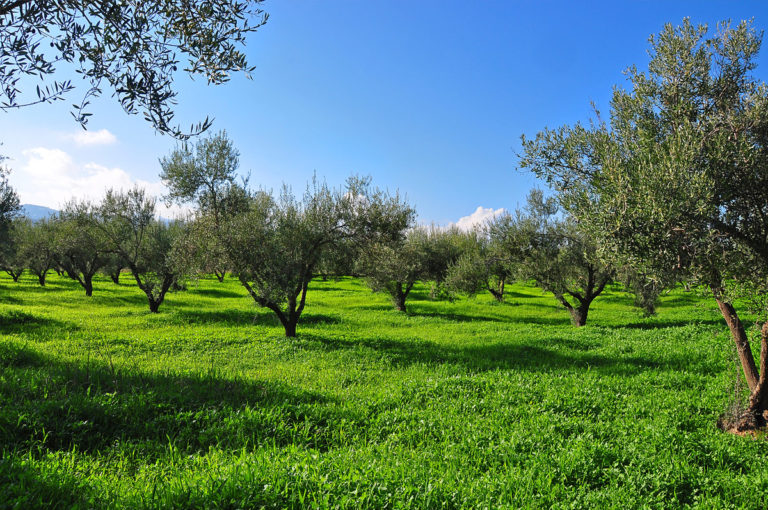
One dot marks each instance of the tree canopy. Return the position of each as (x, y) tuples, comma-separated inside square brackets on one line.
[(133, 49), (674, 182)]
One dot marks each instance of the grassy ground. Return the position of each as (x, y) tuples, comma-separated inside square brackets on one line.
[(468, 404)]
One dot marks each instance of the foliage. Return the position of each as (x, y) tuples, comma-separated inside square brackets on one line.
[(13, 257), (275, 247), (132, 48), (81, 246), (39, 248), (485, 263), (443, 247), (143, 243), (675, 181), (9, 204), (202, 172), (395, 266)]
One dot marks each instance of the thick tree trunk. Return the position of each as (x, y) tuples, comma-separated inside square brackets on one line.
[(154, 305), (756, 415), (115, 277), (290, 327), (399, 297), (88, 284), (741, 341), (579, 315), (41, 278)]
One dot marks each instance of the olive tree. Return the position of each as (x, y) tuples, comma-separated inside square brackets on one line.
[(134, 49), (113, 267), (485, 264), (204, 174), (143, 243), (80, 244), (396, 265), (12, 256), (674, 182), (442, 246), (39, 248), (9, 204), (274, 247), (557, 255)]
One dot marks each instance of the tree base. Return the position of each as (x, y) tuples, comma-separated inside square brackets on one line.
[(747, 424)]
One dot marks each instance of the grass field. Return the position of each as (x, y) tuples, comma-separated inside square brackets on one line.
[(470, 404)]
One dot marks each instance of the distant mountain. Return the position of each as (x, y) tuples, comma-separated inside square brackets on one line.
[(37, 212)]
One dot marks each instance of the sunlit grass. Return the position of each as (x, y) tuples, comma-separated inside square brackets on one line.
[(465, 404)]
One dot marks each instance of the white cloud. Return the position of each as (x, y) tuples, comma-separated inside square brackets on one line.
[(50, 177), (479, 217), (100, 137)]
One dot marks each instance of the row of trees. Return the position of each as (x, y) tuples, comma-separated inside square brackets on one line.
[(275, 245)]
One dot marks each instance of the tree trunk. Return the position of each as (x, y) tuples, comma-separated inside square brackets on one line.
[(497, 293), (741, 341), (154, 305), (41, 278), (579, 314), (398, 298), (88, 284), (115, 276), (220, 275), (290, 327), (756, 415)]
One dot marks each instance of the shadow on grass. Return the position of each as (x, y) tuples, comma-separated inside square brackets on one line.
[(453, 317), (503, 356), (217, 293), (239, 317), (662, 324), (25, 486), (18, 322), (52, 405), (228, 316)]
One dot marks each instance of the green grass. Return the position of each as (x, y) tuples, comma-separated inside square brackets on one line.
[(471, 404)]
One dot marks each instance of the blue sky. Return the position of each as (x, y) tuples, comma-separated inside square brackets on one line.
[(428, 97)]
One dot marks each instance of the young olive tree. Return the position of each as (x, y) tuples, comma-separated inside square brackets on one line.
[(485, 263), (204, 174), (12, 256), (143, 243), (113, 267), (39, 249), (674, 183), (80, 244), (555, 253), (275, 246), (442, 248), (395, 266), (9, 205)]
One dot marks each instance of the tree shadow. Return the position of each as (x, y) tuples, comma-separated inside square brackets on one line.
[(227, 316), (239, 317), (528, 357), (544, 321), (218, 293), (18, 322), (24, 486), (327, 288), (454, 317), (94, 406), (120, 298), (663, 324)]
